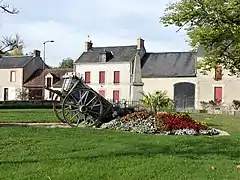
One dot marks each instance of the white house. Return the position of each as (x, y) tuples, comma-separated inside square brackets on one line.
[(122, 72), (114, 72)]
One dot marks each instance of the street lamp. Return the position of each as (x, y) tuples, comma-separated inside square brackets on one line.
[(44, 51), (44, 58)]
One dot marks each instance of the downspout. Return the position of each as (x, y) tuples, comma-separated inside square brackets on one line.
[(130, 90)]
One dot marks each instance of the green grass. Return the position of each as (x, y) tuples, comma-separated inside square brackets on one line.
[(76, 153), (27, 115)]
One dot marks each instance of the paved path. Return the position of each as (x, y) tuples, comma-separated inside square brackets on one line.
[(65, 125)]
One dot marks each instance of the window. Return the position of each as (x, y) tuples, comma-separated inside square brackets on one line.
[(116, 96), (13, 76), (5, 94), (49, 82), (102, 93), (218, 73), (87, 77), (116, 77), (218, 94), (102, 77)]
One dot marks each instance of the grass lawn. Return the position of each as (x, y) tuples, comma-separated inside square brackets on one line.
[(76, 153), (27, 115)]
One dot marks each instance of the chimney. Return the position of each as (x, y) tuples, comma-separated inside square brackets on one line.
[(88, 45), (140, 43), (36, 53)]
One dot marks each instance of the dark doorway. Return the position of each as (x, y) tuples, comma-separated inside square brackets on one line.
[(5, 96), (35, 94), (184, 95)]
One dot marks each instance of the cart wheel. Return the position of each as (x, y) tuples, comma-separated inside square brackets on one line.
[(82, 105), (57, 108)]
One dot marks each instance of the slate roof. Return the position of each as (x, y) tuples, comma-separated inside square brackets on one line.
[(7, 62), (169, 64), (120, 53), (37, 79)]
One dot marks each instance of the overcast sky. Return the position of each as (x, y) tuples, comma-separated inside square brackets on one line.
[(108, 22)]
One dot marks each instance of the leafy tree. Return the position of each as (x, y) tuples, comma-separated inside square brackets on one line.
[(213, 26), (66, 63), (17, 51), (8, 44)]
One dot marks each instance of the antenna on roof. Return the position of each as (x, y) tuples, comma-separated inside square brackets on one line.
[(89, 39)]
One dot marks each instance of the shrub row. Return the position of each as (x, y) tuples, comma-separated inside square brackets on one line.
[(37, 104)]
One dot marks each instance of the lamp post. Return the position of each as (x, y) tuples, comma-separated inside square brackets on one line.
[(44, 51), (44, 59)]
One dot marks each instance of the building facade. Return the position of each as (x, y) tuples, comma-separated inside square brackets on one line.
[(15, 71), (114, 72)]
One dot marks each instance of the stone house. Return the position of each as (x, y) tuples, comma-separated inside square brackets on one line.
[(15, 71), (114, 71), (122, 72)]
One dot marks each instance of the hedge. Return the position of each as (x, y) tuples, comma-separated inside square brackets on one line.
[(37, 104)]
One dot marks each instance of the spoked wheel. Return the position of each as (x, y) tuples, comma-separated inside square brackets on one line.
[(84, 106), (57, 107)]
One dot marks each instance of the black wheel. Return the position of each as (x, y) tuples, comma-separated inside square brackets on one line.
[(57, 107), (84, 106)]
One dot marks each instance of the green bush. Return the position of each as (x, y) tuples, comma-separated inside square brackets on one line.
[(157, 101), (25, 104)]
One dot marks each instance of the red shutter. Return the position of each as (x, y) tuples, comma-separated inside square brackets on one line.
[(218, 73), (102, 93), (218, 94), (116, 77), (101, 77), (87, 77), (115, 96)]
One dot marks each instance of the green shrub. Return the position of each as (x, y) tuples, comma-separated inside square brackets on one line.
[(157, 101), (25, 104)]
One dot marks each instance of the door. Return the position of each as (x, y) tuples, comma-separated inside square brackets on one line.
[(115, 96), (5, 95), (184, 95), (218, 94)]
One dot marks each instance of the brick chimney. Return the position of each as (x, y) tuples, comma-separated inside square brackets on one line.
[(140, 43), (37, 53), (88, 45)]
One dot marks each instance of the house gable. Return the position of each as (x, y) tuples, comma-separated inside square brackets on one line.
[(39, 77)]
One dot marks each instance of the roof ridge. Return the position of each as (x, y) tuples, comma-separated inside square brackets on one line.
[(169, 52), (114, 46), (17, 56)]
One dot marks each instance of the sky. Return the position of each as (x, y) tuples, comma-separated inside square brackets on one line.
[(107, 22)]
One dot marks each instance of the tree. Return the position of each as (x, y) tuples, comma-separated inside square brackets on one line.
[(7, 8), (213, 26), (66, 63), (8, 44), (17, 51)]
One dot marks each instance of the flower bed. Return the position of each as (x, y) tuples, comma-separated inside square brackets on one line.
[(174, 123)]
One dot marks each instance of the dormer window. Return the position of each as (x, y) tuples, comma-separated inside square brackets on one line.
[(105, 56)]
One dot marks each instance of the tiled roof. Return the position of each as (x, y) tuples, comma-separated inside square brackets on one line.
[(119, 54), (37, 79), (170, 64), (7, 62)]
